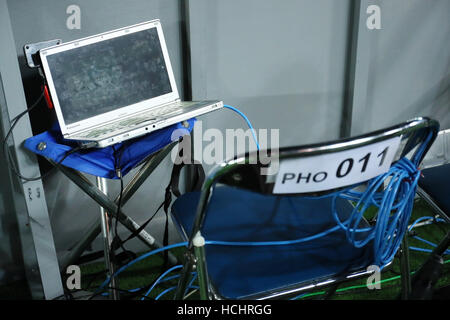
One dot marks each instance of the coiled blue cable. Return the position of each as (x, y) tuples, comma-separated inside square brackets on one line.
[(394, 210)]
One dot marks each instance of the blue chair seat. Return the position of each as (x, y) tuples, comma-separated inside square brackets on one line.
[(434, 181), (240, 215)]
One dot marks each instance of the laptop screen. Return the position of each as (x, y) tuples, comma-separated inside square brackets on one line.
[(100, 77)]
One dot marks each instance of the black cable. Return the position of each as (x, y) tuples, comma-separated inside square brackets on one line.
[(8, 156), (34, 105), (137, 231), (13, 123), (134, 234), (119, 205), (117, 241)]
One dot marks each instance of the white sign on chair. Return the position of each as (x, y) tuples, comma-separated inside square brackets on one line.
[(334, 170)]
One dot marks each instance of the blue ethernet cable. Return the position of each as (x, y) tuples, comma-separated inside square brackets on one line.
[(161, 277), (140, 258), (246, 120)]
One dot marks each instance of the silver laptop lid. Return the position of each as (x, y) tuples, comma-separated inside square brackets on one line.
[(109, 76)]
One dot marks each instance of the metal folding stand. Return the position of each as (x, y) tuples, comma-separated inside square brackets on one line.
[(109, 209), (107, 242)]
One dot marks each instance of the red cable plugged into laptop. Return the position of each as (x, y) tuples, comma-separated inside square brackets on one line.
[(47, 98)]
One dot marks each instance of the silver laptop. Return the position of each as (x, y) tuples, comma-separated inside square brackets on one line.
[(116, 86)]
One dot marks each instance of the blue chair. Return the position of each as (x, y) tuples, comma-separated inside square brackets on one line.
[(433, 188), (249, 237)]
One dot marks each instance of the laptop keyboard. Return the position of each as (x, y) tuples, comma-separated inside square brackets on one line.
[(131, 122)]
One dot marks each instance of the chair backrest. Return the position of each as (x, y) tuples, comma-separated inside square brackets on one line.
[(439, 153), (328, 167), (434, 182)]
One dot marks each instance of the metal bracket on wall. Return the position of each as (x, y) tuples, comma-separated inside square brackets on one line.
[(31, 51)]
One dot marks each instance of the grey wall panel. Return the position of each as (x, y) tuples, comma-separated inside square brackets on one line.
[(11, 262), (280, 62), (408, 63), (35, 237)]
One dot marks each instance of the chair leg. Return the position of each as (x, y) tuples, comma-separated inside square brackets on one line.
[(195, 256), (405, 270), (426, 277), (201, 272), (185, 274), (331, 291)]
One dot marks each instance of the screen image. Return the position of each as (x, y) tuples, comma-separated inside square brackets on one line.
[(107, 75)]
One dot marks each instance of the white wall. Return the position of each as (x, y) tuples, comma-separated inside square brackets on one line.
[(408, 63)]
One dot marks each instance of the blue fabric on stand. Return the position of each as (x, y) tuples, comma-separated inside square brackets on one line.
[(101, 161)]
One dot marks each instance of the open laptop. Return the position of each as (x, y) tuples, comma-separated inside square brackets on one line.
[(116, 85)]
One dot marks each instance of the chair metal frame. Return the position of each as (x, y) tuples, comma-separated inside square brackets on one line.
[(445, 136), (412, 133), (427, 163)]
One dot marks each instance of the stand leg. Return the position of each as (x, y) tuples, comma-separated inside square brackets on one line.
[(107, 240), (143, 173)]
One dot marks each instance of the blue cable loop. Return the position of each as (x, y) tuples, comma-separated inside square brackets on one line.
[(418, 155), (146, 255), (163, 280), (159, 279), (164, 292), (446, 252), (246, 120), (190, 283), (189, 286)]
